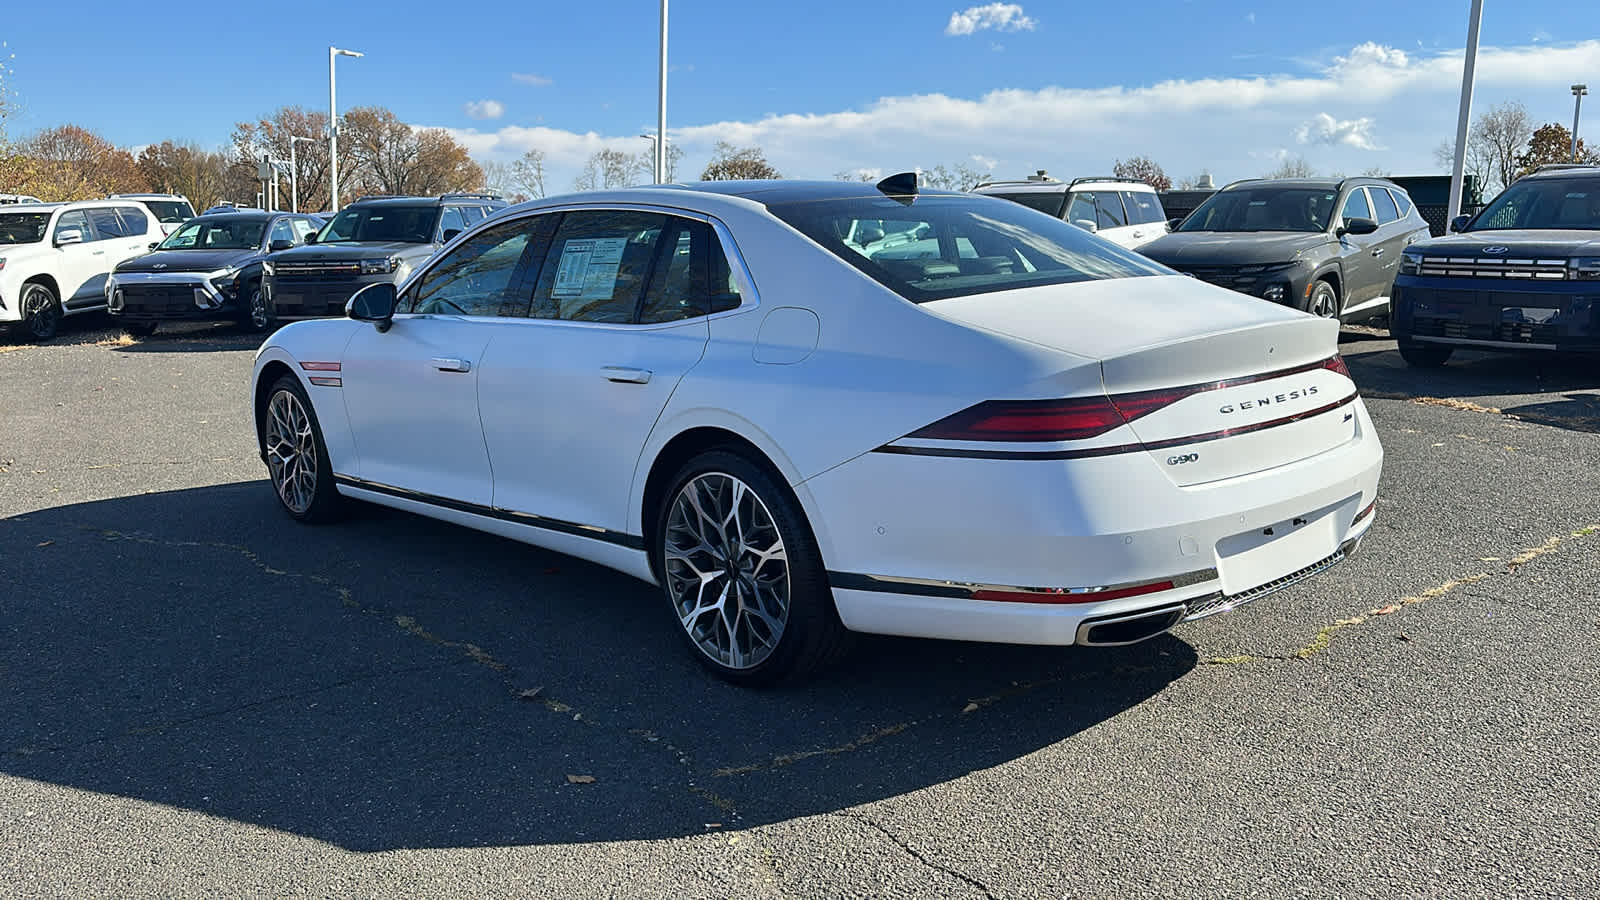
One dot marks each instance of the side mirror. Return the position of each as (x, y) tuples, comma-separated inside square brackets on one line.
[(1086, 224), (280, 244), (311, 238), (373, 303), (69, 236), (1174, 223), (1358, 226), (1459, 223), (154, 244), (449, 234)]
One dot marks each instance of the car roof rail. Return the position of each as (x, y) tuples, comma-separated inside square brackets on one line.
[(1126, 179), (1554, 167), (470, 195)]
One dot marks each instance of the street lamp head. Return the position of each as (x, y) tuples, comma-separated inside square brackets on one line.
[(1579, 90), (341, 52)]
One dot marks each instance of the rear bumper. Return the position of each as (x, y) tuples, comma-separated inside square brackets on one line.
[(1497, 315), (910, 540)]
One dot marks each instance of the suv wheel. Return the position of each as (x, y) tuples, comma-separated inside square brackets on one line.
[(1425, 356), (1324, 301), (41, 314)]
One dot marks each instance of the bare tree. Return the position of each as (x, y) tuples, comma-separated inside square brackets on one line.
[(957, 177), (730, 163), (527, 173), (1292, 168), (270, 136), (607, 168), (1502, 132), (645, 163), (1145, 169), (391, 157), (867, 175), (1191, 182)]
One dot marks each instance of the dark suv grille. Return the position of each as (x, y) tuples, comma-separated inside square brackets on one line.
[(317, 268), (1511, 332), (1490, 267)]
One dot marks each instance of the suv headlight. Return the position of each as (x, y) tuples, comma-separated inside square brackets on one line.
[(379, 266), (1410, 263), (1585, 268), (225, 280)]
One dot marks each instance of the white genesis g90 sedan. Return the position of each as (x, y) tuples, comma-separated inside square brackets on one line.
[(808, 409)]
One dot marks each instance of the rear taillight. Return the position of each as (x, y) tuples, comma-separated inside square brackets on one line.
[(1067, 595), (1335, 363), (1027, 420)]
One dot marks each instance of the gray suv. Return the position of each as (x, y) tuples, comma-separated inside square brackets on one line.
[(372, 240), (1328, 246)]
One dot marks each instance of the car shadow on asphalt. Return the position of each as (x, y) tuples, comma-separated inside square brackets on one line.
[(395, 682)]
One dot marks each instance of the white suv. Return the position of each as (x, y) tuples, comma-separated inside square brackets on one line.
[(171, 210), (1125, 211), (54, 258)]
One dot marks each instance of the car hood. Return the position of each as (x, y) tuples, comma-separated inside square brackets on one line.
[(187, 260), (363, 250), (1231, 248), (1537, 243)]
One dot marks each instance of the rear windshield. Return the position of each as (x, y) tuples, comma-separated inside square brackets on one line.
[(1048, 202), (381, 222), (1540, 203), (170, 212), (943, 245)]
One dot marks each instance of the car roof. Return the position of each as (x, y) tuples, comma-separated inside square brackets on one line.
[(1055, 186), (66, 204), (1329, 184), (433, 199), (242, 214), (1564, 170)]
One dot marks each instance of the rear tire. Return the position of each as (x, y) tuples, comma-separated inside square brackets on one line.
[(729, 532), (297, 457), (41, 311), (1425, 356)]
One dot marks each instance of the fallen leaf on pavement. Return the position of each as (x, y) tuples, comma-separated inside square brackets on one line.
[(970, 707), (1402, 637), (44, 543), (531, 693), (580, 779), (1385, 610)]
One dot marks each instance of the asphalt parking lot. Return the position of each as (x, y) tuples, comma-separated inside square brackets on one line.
[(205, 699)]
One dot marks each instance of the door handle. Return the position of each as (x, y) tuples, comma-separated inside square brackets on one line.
[(97, 253), (1378, 252), (447, 364), (626, 375)]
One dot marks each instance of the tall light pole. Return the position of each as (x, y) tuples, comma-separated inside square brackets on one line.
[(1578, 90), (333, 128), (661, 178), (294, 173), (1459, 170), (661, 107)]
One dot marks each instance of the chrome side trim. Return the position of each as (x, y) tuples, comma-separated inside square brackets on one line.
[(1509, 345), (963, 590)]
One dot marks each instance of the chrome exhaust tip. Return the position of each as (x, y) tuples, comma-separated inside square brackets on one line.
[(1130, 628)]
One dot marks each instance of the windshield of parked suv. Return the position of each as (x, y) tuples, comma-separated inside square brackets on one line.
[(1544, 203), (381, 222), (230, 233), (170, 212), (23, 228), (1264, 209), (943, 246)]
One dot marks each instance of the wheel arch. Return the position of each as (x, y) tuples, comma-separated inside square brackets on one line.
[(48, 280), (1332, 274), (269, 374)]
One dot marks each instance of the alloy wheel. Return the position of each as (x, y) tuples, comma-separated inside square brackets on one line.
[(258, 311), (1324, 302), (39, 311), (727, 570), (291, 452)]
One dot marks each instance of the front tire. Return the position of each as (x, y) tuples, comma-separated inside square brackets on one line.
[(297, 456), (742, 573), (1324, 300), (41, 312), (1425, 356), (256, 318)]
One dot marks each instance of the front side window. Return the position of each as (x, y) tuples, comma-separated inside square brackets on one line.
[(450, 219), (302, 227), (23, 228), (1544, 203), (74, 220), (1265, 208), (971, 244), (134, 222), (487, 275), (599, 264), (1356, 206), (281, 231)]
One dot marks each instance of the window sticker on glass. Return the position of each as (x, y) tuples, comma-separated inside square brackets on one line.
[(588, 268)]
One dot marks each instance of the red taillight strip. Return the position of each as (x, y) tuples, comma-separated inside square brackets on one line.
[(1116, 449), (320, 366), (1064, 595)]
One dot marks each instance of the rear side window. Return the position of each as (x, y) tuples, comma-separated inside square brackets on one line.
[(1387, 211), (133, 221), (598, 266), (1143, 207), (1402, 202), (106, 224), (1048, 202), (473, 214)]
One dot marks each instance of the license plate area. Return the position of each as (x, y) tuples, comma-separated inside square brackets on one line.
[(1253, 558)]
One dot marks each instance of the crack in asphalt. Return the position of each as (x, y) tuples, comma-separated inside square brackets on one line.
[(1324, 637), (915, 854)]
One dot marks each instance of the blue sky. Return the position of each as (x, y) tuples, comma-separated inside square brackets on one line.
[(824, 86)]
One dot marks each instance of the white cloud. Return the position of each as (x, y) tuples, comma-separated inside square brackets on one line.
[(999, 16), (1325, 129), (485, 109), (1217, 124), (530, 78), (1250, 17)]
